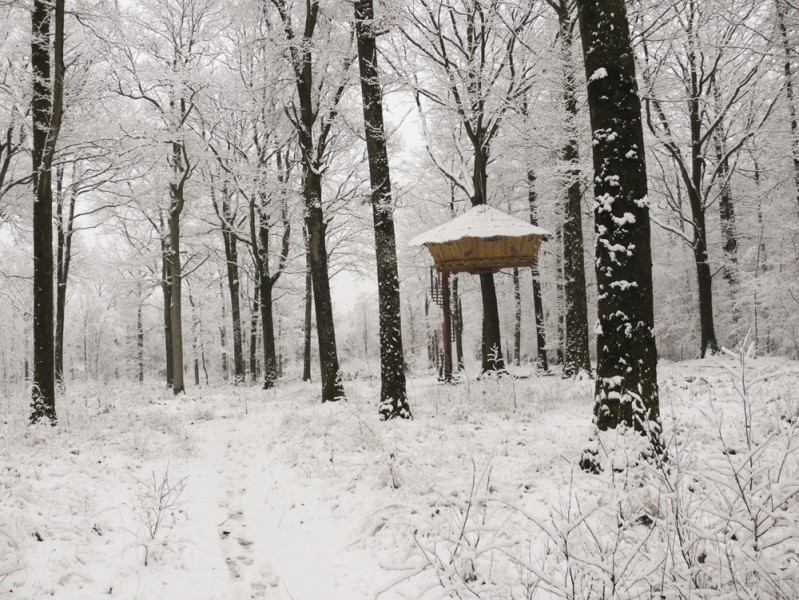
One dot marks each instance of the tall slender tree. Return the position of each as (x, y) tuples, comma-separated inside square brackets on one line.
[(626, 392), (538, 303), (576, 357), (313, 121), (46, 112), (267, 276), (393, 396), (226, 209)]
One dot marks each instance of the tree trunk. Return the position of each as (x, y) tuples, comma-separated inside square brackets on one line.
[(704, 279), (492, 342), (561, 316), (626, 392), (313, 150), (729, 240), (223, 333), (195, 348), (703, 275), (538, 306), (788, 50), (267, 280), (268, 333), (140, 333), (517, 330), (256, 309), (232, 263), (491, 347), (457, 323), (64, 226), (576, 355), (306, 348), (175, 311), (432, 358), (332, 387), (166, 290), (393, 395), (46, 107)]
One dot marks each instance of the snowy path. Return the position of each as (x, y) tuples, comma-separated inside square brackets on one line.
[(285, 498), (278, 531)]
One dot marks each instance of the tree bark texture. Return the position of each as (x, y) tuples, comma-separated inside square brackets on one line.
[(561, 316), (576, 357), (64, 226), (729, 239), (491, 346), (232, 263), (253, 346), (393, 395), (181, 171), (266, 279), (626, 392), (46, 110), (166, 291), (332, 387), (517, 329), (223, 332), (538, 305), (308, 321), (457, 323), (140, 333), (175, 309)]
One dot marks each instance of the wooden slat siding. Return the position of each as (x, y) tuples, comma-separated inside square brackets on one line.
[(476, 255)]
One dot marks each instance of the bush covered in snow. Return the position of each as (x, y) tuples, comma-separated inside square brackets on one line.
[(719, 518)]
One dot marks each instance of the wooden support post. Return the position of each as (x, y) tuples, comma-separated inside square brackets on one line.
[(447, 326)]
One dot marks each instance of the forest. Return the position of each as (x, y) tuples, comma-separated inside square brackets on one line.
[(234, 362)]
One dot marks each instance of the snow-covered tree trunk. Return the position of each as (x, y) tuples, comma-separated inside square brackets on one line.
[(308, 320), (626, 393), (517, 319), (576, 357), (538, 304), (139, 332), (166, 291), (230, 241), (393, 396)]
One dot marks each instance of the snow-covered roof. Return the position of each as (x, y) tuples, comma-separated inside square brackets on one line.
[(481, 221)]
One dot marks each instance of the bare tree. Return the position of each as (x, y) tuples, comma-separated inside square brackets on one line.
[(471, 46), (393, 396), (576, 358), (313, 112), (702, 70), (175, 37)]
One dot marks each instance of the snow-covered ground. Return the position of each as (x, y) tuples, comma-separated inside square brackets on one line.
[(229, 493)]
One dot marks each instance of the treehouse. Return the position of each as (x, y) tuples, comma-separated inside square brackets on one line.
[(482, 240)]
